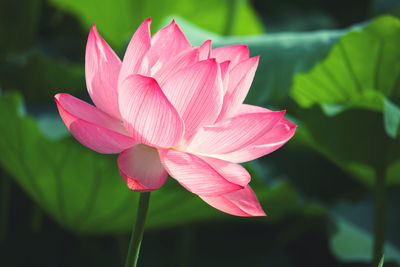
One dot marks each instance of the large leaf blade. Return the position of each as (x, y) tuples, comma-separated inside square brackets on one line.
[(361, 62)]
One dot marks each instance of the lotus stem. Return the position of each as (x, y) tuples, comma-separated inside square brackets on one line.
[(137, 232), (380, 210)]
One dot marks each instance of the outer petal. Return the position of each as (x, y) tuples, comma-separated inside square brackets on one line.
[(102, 68), (233, 134), (232, 172), (240, 79), (148, 115), (141, 168), (234, 54), (92, 127), (166, 44), (271, 141), (196, 175), (137, 48), (239, 203), (282, 131), (196, 93)]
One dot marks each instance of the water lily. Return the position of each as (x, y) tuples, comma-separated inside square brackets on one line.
[(171, 108)]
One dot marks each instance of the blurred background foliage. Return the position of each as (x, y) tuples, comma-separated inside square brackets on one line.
[(334, 66)]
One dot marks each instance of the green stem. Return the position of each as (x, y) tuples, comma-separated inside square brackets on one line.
[(380, 216), (137, 232), (231, 16)]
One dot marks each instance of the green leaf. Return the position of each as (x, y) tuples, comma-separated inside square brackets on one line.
[(343, 140), (40, 77), (117, 20), (82, 190), (361, 71), (353, 86)]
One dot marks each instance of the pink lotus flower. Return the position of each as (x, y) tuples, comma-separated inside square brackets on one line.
[(170, 108)]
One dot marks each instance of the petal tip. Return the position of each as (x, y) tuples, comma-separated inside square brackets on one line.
[(244, 47), (258, 213), (57, 97), (292, 125), (93, 32), (146, 22)]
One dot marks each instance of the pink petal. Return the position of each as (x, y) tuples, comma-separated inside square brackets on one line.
[(148, 115), (240, 79), (196, 175), (233, 134), (281, 132), (92, 127), (102, 67), (225, 74), (271, 141), (184, 59), (166, 44), (232, 172), (205, 50), (196, 93), (246, 109), (239, 203), (141, 168), (234, 54), (137, 48)]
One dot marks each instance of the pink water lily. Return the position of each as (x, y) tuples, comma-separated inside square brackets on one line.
[(171, 108)]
